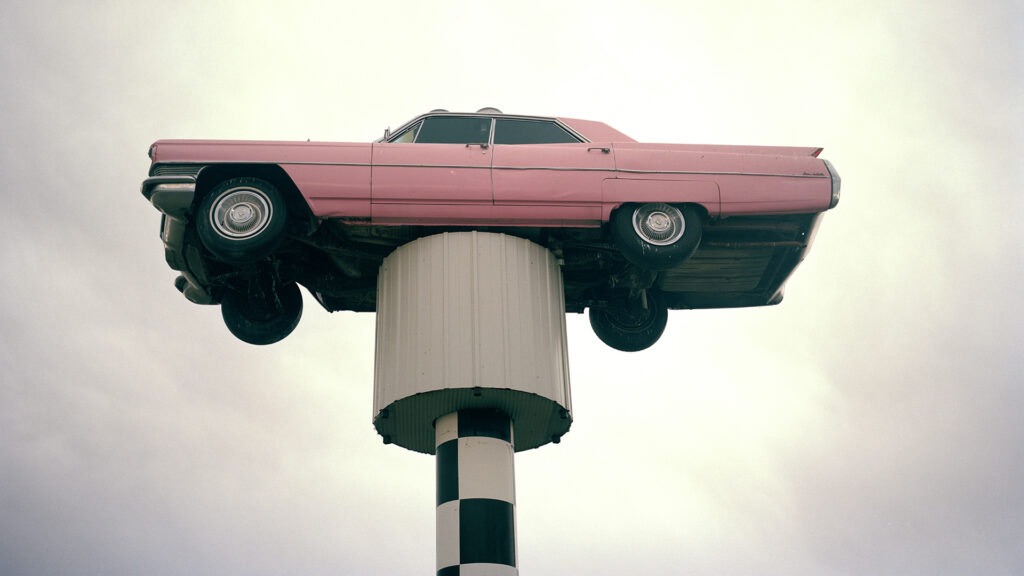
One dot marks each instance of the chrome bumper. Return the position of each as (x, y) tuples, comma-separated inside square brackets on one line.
[(173, 195)]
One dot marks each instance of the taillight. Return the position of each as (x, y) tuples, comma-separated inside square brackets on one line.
[(836, 183)]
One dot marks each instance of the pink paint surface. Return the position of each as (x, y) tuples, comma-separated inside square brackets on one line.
[(574, 184)]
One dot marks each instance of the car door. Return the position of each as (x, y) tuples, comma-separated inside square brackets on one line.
[(545, 176), (438, 170)]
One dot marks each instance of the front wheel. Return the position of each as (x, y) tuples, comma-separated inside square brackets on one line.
[(264, 320), (242, 220), (633, 325), (656, 236)]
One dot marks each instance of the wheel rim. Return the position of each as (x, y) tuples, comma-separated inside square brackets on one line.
[(240, 213), (659, 224)]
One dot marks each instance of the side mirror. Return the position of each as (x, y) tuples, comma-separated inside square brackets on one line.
[(387, 133)]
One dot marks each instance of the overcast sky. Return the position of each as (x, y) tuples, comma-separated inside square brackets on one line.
[(870, 424)]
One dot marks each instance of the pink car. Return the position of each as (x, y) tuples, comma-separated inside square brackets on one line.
[(641, 228)]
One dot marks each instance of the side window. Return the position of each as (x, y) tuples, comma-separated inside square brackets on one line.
[(455, 130), (511, 131), (408, 135)]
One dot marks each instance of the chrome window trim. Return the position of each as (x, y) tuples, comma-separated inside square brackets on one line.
[(398, 133), (560, 124)]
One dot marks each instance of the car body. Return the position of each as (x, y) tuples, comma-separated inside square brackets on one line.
[(702, 226)]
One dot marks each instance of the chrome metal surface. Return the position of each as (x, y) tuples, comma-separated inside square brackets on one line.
[(836, 183), (713, 173), (619, 170), (240, 213), (560, 124), (658, 224)]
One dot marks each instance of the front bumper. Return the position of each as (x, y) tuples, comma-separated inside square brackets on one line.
[(173, 196)]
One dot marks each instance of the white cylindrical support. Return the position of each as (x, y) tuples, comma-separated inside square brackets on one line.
[(476, 494), (471, 344), (470, 320)]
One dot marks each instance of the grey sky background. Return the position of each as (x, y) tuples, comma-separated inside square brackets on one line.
[(870, 424)]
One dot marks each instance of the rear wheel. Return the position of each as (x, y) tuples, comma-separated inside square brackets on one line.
[(656, 236), (242, 220), (634, 325), (263, 318)]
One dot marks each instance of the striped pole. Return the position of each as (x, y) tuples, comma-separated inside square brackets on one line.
[(476, 494)]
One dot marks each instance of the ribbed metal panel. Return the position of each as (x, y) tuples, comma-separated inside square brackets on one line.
[(175, 169), (719, 269), (468, 320)]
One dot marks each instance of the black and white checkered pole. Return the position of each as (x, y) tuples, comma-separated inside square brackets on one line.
[(476, 500)]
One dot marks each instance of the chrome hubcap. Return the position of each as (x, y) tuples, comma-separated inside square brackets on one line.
[(240, 213), (658, 224)]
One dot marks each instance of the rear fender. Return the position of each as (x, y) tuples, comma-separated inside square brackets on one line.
[(618, 191)]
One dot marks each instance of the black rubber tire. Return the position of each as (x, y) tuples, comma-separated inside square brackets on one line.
[(262, 324), (631, 327), (655, 256), (242, 241)]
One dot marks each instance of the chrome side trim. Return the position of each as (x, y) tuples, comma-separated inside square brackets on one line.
[(431, 166), (573, 169), (555, 168), (255, 163), (710, 173)]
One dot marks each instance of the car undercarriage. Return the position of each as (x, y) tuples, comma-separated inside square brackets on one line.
[(741, 261)]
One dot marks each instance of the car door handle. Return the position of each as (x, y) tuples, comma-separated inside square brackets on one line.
[(603, 150), (482, 145)]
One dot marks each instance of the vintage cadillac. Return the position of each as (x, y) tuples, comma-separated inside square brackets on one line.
[(639, 228)]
